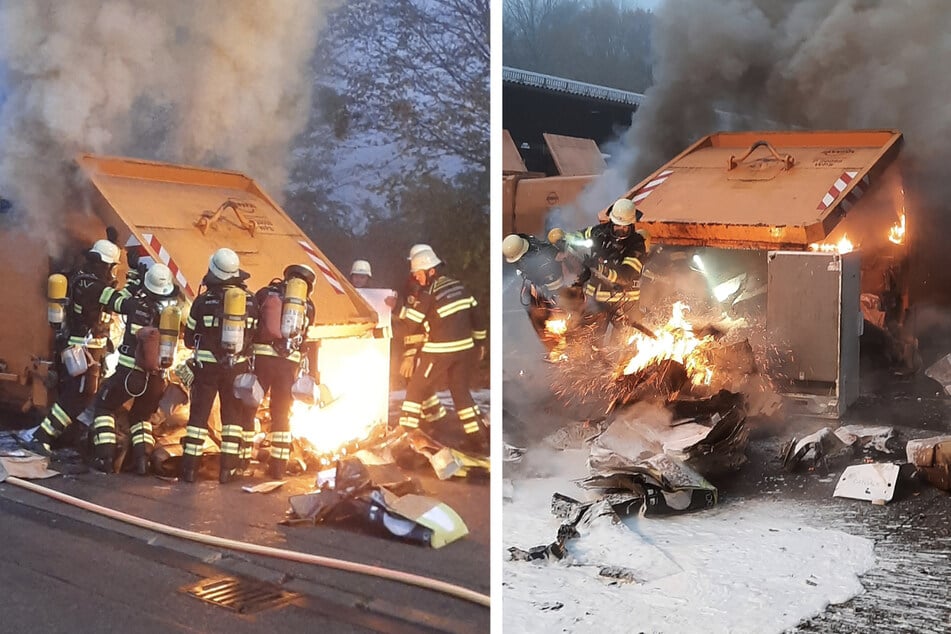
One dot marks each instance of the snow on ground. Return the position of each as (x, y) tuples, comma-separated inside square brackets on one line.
[(743, 566)]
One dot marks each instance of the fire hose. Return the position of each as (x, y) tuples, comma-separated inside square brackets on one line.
[(443, 587)]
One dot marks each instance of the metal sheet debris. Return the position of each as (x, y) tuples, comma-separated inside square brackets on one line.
[(873, 482), (940, 371)]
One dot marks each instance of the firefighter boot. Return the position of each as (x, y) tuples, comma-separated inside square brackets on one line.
[(276, 469), (140, 461), (189, 468), (229, 468)]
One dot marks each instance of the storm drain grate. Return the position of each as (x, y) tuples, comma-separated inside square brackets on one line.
[(241, 595)]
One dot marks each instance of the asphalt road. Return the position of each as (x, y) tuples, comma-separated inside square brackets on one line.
[(64, 569)]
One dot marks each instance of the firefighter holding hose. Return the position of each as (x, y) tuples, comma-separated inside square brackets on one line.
[(219, 329), (538, 263), (613, 253)]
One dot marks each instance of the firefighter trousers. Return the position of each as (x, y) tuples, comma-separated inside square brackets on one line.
[(456, 369), (237, 428), (74, 394), (146, 390), (277, 374)]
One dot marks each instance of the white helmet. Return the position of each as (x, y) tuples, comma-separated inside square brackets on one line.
[(224, 264), (159, 280), (623, 212), (423, 260), (106, 250), (361, 267), (416, 248), (514, 247)]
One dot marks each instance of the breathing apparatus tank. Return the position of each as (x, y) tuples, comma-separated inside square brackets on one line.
[(169, 324), (232, 323), (56, 297), (295, 308)]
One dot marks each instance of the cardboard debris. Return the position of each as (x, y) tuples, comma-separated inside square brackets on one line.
[(932, 459), (264, 487), (940, 371), (379, 496), (29, 466), (827, 446), (873, 482)]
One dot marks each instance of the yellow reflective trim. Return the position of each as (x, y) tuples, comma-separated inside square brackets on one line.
[(230, 447), (409, 406), (190, 322), (634, 263), (414, 315), (449, 346), (471, 428), (193, 449), (454, 307), (105, 438), (208, 320), (197, 433), (106, 295)]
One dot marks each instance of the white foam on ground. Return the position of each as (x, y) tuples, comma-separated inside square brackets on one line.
[(754, 566)]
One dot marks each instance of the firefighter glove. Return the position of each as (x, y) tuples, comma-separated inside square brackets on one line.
[(407, 366)]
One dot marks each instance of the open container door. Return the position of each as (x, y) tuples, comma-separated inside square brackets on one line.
[(180, 215)]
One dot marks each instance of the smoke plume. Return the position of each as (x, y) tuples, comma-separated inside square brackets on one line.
[(221, 83)]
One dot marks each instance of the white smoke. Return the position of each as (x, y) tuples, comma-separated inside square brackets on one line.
[(224, 83)]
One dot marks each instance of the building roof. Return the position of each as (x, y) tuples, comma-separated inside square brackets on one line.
[(570, 86)]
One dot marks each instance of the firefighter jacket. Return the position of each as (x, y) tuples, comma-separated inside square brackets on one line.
[(91, 302), (290, 349), (541, 270), (412, 339), (204, 324), (615, 264), (448, 309), (141, 310)]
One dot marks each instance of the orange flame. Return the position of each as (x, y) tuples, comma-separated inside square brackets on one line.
[(351, 414), (844, 245), (896, 234), (557, 326), (675, 340)]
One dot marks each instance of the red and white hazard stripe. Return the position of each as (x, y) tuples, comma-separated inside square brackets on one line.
[(646, 190), (839, 186), (163, 255), (322, 267)]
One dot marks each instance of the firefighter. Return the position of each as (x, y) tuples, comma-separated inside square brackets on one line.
[(413, 340), (139, 373), (538, 263), (278, 353), (219, 329), (360, 273), (614, 254), (456, 336), (91, 298)]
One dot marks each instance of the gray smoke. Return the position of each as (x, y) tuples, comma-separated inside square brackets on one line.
[(223, 83), (815, 64)]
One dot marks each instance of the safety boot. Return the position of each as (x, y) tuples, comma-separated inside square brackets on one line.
[(40, 447), (229, 468), (141, 463), (276, 469), (106, 464), (189, 468)]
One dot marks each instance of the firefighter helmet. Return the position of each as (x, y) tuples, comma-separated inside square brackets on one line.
[(107, 251), (623, 212), (224, 264), (423, 260), (556, 235), (303, 272), (416, 248), (361, 267), (514, 247), (159, 280)]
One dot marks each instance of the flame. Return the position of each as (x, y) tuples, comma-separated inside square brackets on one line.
[(557, 326), (896, 233), (351, 414), (844, 245), (674, 340)]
